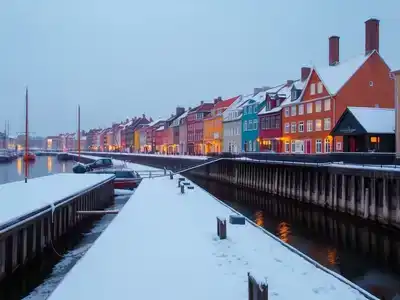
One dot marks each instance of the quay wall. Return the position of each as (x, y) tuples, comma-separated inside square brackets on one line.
[(372, 193), (28, 237)]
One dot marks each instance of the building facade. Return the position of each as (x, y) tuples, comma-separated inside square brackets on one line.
[(183, 137), (195, 122), (362, 81)]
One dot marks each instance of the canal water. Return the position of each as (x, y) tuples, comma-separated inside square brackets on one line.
[(364, 253), (38, 280)]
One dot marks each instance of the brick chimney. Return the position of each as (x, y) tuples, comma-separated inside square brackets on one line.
[(179, 110), (305, 72), (201, 102), (371, 36), (334, 50)]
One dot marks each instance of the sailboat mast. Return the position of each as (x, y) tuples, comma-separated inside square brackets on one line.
[(79, 131), (26, 136)]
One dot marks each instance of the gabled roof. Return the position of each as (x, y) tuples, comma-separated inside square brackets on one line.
[(157, 121), (178, 119), (205, 107), (335, 77), (375, 120), (226, 103)]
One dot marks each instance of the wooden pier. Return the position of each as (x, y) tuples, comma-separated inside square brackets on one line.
[(33, 215)]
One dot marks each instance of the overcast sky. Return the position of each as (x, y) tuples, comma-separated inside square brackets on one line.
[(123, 58)]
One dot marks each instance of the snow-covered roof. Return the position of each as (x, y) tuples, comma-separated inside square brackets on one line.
[(238, 104), (375, 120), (157, 121), (178, 119), (335, 77), (160, 128)]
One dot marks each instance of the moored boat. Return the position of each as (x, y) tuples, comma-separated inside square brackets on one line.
[(30, 156), (125, 178), (63, 156)]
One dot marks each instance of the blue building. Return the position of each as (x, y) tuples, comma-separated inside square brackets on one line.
[(250, 122)]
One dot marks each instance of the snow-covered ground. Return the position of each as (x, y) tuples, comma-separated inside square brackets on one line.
[(164, 246), (19, 198)]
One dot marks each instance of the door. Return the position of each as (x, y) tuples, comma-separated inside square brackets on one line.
[(307, 147), (352, 144)]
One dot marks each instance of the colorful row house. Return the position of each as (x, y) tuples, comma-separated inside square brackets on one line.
[(174, 132), (195, 128), (362, 81), (213, 125)]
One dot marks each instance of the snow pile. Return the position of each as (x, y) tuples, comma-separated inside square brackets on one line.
[(18, 199), (163, 234)]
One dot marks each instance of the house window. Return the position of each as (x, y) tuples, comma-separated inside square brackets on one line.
[(287, 127), (320, 88), (255, 146), (312, 89), (250, 126), (301, 109), (263, 123), (245, 125), (268, 123), (301, 126), (293, 146), (338, 146), (255, 122), (278, 102), (287, 146), (286, 111), (327, 104), (309, 125), (293, 127), (294, 108), (327, 145), (318, 125), (327, 124), (318, 146), (309, 108), (268, 105), (250, 146), (278, 121), (317, 106)]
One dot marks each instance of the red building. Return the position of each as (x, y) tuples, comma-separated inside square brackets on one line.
[(154, 138), (195, 124), (270, 117)]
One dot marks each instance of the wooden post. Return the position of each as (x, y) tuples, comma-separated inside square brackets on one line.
[(182, 189), (257, 290), (221, 228), (79, 131)]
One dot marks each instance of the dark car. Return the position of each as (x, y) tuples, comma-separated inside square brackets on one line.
[(100, 163)]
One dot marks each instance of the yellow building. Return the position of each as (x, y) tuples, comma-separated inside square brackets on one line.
[(213, 129), (136, 140)]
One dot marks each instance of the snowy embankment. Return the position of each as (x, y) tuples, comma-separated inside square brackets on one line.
[(164, 246), (193, 157), (18, 199)]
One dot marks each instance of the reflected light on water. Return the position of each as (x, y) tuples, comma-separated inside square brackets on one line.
[(284, 231), (63, 167), (49, 164), (332, 256), (19, 166), (259, 218)]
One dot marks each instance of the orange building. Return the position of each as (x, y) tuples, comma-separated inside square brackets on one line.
[(213, 126), (362, 81)]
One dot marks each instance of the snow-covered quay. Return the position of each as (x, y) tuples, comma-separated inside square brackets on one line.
[(164, 245)]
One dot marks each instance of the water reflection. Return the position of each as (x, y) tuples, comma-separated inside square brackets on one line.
[(284, 231), (19, 166), (49, 164), (352, 247), (63, 167)]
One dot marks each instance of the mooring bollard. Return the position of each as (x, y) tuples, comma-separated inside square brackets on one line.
[(258, 290), (180, 180), (171, 176), (165, 171), (182, 189), (221, 228)]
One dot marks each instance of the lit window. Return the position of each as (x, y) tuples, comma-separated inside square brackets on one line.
[(301, 126), (318, 146), (327, 105), (250, 126), (318, 125), (327, 123), (312, 89), (287, 127), (301, 109), (293, 110), (320, 88), (309, 108), (327, 145), (286, 111), (293, 146), (317, 106), (293, 127), (309, 125), (338, 146)]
